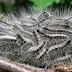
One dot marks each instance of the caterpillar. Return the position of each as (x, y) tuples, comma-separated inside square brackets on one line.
[(39, 39)]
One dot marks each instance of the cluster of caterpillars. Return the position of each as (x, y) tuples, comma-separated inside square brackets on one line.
[(39, 42)]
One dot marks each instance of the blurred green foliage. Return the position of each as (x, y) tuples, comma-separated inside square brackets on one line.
[(11, 5), (42, 4)]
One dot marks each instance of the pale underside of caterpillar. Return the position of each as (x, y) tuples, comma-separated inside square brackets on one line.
[(38, 39)]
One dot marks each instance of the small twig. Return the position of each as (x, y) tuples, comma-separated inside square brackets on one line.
[(10, 65)]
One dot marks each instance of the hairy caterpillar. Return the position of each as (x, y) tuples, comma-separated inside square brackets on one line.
[(39, 39)]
